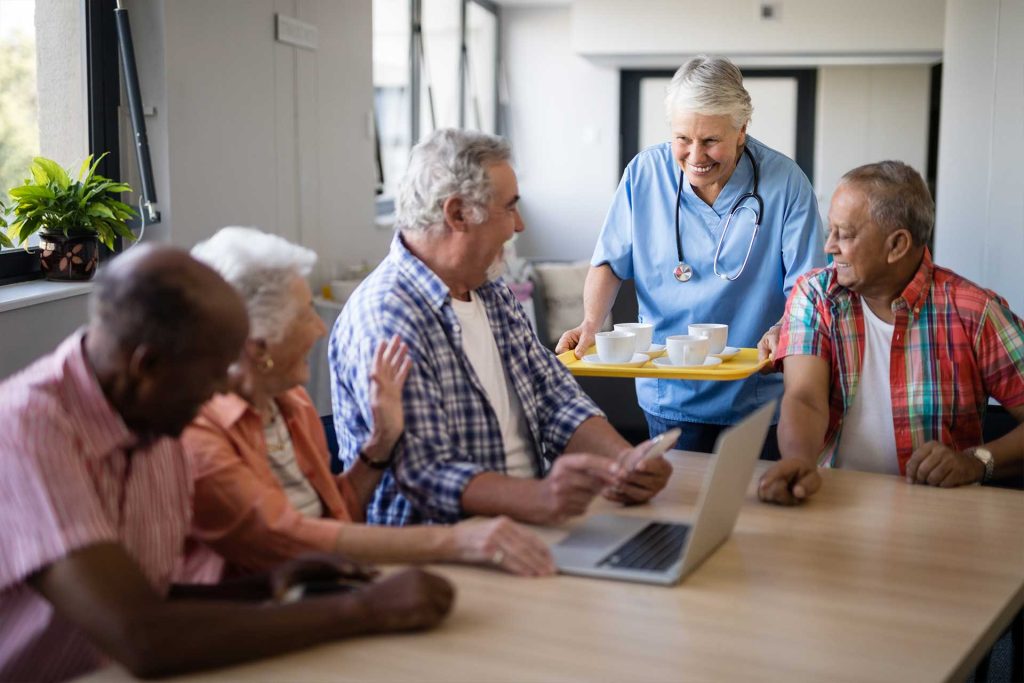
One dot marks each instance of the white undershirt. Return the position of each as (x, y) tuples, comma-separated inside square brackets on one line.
[(868, 441), (482, 351), (281, 454)]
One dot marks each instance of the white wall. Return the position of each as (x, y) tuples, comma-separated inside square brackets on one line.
[(28, 333), (820, 27), (564, 110), (262, 133), (565, 127), (980, 214), (867, 114)]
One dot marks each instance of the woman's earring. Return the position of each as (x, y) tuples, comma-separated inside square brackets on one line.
[(267, 364)]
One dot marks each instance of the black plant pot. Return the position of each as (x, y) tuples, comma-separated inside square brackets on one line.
[(68, 258)]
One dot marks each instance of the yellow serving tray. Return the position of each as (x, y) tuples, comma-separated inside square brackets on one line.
[(742, 365)]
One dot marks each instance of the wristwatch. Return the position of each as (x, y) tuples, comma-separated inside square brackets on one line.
[(985, 456), (378, 464), (386, 462)]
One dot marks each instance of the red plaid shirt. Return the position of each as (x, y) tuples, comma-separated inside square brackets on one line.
[(954, 345)]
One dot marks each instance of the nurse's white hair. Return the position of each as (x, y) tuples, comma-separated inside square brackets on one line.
[(261, 267), (712, 86), (448, 163)]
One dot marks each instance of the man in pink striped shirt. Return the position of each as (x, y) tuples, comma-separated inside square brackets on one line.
[(95, 495)]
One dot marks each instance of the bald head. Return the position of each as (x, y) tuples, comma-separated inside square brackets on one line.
[(163, 330), (160, 296)]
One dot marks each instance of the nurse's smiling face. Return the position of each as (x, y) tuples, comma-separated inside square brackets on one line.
[(706, 149)]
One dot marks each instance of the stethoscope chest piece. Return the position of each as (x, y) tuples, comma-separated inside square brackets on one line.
[(683, 272)]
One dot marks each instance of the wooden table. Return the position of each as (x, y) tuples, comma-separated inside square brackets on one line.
[(872, 580)]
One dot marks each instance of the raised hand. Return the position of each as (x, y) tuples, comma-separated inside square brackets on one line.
[(391, 365)]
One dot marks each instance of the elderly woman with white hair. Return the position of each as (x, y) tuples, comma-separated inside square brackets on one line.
[(263, 490), (713, 226)]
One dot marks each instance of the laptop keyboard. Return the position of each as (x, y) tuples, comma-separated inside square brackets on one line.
[(654, 548)]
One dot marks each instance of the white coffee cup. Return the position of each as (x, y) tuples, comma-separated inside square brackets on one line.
[(717, 334), (644, 334), (616, 346), (687, 349)]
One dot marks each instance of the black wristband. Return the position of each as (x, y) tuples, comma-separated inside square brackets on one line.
[(382, 464)]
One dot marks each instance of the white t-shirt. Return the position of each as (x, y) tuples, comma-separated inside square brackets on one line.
[(482, 351), (867, 441)]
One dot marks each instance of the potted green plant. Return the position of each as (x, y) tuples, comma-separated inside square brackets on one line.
[(4, 241), (71, 217)]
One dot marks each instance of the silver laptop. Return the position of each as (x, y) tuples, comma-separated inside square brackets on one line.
[(659, 551)]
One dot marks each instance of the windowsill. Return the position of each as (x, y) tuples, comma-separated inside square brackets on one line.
[(24, 294)]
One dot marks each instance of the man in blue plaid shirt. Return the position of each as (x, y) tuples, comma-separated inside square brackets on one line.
[(494, 424)]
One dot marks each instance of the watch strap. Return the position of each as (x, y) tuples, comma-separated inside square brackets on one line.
[(386, 462), (985, 456)]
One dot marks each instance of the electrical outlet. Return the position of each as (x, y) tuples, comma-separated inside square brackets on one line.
[(295, 32)]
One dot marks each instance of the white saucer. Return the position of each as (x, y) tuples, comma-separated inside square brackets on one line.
[(726, 353), (666, 362), (637, 360), (654, 350)]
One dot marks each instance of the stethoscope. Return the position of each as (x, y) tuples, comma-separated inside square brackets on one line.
[(683, 272)]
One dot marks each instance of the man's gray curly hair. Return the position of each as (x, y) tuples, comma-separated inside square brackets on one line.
[(450, 162)]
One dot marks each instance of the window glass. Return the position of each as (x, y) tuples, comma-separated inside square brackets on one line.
[(421, 82), (481, 54), (439, 85), (391, 90), (19, 101)]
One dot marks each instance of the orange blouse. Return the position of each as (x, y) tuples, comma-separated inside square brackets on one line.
[(243, 521)]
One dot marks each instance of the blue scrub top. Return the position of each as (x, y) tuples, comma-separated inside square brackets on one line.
[(638, 242)]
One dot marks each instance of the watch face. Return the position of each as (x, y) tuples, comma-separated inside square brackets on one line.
[(985, 456)]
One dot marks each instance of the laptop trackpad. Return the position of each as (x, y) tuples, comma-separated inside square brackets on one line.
[(591, 541)]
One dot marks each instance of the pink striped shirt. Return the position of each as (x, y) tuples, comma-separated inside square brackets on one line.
[(72, 475)]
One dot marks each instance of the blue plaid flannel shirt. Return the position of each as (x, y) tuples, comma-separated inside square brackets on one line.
[(451, 431)]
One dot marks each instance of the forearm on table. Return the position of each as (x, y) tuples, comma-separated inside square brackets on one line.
[(251, 588), (384, 544), (491, 494), (802, 428), (181, 632)]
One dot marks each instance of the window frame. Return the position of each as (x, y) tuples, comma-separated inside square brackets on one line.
[(385, 205), (103, 97)]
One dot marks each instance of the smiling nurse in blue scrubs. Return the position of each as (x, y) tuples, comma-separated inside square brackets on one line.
[(665, 231)]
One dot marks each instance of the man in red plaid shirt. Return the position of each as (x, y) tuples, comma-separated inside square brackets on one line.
[(889, 359)]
